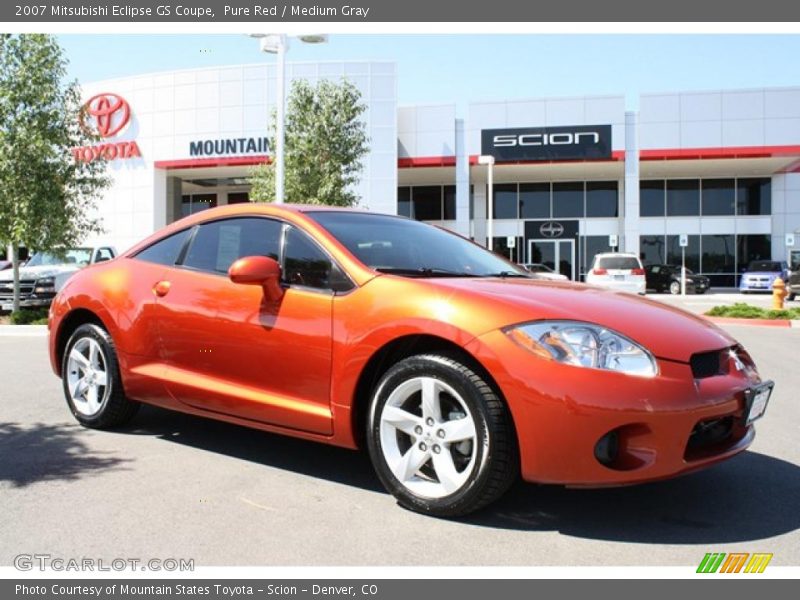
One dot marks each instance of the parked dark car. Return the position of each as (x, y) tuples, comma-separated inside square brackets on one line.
[(794, 283), (667, 278)]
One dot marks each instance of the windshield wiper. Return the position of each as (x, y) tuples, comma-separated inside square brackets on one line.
[(504, 274), (424, 272)]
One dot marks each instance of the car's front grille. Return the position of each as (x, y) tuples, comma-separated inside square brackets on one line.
[(25, 289), (707, 364)]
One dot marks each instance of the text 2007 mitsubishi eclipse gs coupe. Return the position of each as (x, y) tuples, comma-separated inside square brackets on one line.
[(455, 368)]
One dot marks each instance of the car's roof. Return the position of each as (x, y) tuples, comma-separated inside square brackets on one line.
[(604, 254)]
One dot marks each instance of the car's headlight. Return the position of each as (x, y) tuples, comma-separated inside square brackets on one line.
[(44, 285), (584, 345)]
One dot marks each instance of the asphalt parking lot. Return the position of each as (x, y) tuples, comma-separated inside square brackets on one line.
[(177, 486)]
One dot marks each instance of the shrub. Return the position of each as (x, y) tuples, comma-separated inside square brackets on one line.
[(740, 310), (29, 316)]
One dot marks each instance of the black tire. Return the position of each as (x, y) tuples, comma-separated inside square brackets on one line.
[(115, 408), (791, 297), (496, 459)]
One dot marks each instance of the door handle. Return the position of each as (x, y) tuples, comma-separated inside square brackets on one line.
[(161, 289)]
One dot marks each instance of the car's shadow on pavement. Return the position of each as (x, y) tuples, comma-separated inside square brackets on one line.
[(309, 458), (750, 497)]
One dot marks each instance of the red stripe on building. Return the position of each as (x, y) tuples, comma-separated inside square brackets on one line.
[(214, 161)]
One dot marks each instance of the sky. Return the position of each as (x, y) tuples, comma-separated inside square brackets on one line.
[(450, 68)]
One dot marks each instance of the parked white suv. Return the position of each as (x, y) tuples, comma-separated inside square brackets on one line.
[(618, 271), (46, 272)]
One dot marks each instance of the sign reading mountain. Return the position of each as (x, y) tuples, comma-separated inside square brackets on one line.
[(577, 142), (229, 146)]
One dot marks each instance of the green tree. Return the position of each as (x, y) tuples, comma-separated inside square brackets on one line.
[(325, 140), (46, 196)]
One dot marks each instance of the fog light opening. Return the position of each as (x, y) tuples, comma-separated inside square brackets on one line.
[(606, 450)]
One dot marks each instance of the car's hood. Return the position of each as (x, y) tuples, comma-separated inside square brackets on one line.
[(667, 332), (37, 272)]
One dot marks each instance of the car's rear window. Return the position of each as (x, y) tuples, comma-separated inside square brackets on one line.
[(617, 262), (764, 265)]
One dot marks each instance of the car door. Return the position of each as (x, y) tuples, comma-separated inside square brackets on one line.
[(229, 351)]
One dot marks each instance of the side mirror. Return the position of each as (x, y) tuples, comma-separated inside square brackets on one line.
[(258, 270)]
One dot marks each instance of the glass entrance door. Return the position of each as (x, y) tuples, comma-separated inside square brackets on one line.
[(559, 255)]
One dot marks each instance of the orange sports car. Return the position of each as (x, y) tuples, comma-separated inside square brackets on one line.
[(455, 368)]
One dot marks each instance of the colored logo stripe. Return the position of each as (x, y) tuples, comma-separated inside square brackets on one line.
[(734, 562)]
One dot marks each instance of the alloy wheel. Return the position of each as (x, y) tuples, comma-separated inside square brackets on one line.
[(87, 376), (428, 437)]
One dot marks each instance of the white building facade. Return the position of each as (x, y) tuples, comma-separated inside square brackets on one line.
[(572, 176)]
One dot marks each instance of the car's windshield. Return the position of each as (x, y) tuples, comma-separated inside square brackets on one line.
[(405, 247), (764, 265), (617, 262), (69, 256)]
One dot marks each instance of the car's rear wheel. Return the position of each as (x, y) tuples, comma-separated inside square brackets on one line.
[(675, 288), (441, 440), (91, 379)]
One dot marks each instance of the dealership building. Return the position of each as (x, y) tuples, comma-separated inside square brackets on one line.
[(572, 176)]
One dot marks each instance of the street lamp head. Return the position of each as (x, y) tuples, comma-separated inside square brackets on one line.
[(314, 38), (486, 159)]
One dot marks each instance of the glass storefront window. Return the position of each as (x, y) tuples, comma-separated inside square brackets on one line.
[(602, 199), (427, 202), (505, 201), (196, 203), (652, 249), (592, 245), (754, 196), (718, 253), (404, 201), (719, 197), (568, 200), (534, 200), (651, 198), (449, 203), (692, 252), (752, 247), (683, 197)]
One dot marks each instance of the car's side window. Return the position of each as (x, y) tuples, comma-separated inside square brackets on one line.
[(305, 264), (164, 252), (104, 254), (218, 244)]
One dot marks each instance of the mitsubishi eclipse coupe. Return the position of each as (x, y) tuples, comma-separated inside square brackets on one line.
[(457, 370)]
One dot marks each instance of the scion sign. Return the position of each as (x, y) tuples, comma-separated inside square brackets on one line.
[(548, 143)]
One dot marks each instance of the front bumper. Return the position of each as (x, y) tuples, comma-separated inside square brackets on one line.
[(562, 413)]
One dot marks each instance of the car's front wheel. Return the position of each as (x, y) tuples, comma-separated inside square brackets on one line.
[(91, 379), (675, 288), (440, 438)]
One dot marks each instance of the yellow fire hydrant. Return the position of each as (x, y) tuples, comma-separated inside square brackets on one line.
[(778, 293)]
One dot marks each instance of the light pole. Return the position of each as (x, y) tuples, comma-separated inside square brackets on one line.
[(278, 44), (488, 160)]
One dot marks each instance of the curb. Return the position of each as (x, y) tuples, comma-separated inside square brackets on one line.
[(23, 330), (756, 322)]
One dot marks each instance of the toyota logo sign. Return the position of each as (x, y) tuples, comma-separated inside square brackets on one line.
[(105, 114), (551, 229)]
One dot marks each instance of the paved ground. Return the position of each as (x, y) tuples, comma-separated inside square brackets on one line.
[(178, 486)]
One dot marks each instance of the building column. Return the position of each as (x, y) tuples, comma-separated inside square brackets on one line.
[(173, 199), (462, 181), (480, 227), (631, 187)]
